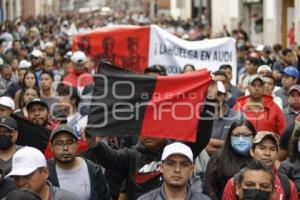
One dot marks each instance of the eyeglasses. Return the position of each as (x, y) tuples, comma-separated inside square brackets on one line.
[(61, 144), (34, 58)]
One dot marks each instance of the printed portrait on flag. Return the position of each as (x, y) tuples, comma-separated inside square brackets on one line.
[(119, 45)]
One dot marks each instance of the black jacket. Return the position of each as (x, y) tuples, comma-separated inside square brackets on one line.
[(159, 194), (141, 167), (99, 189), (292, 171)]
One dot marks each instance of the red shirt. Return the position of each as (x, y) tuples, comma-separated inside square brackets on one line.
[(230, 194), (78, 80), (268, 118)]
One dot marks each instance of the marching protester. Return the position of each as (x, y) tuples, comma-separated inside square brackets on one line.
[(176, 168), (36, 57), (26, 96), (269, 86), (290, 76), (78, 76), (235, 152), (7, 106), (256, 181), (8, 139), (39, 113), (67, 105), (226, 117), (71, 172), (47, 91), (293, 108), (233, 90), (251, 65), (287, 59), (260, 109), (30, 171), (16, 85)]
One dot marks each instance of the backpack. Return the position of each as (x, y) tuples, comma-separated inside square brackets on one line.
[(285, 183)]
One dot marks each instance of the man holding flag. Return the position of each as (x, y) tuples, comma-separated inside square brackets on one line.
[(140, 164)]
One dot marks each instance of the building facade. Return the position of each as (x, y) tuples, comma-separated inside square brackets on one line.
[(266, 21)]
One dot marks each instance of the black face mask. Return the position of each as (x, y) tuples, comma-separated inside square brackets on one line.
[(5, 142), (255, 194)]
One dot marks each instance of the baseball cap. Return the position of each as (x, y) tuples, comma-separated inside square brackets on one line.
[(295, 87), (37, 101), (26, 160), (79, 57), (63, 128), (256, 77), (7, 102), (259, 47), (24, 64), (35, 30), (264, 67), (291, 71), (260, 135), (68, 55), (177, 148), (37, 53), (49, 45), (9, 123), (221, 87)]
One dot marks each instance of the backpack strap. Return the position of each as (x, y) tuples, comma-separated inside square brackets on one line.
[(285, 183)]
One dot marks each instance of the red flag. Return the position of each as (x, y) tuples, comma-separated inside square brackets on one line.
[(125, 103)]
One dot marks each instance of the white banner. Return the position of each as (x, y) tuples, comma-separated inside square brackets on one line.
[(173, 53)]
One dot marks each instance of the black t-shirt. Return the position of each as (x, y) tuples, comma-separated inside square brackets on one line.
[(285, 138)]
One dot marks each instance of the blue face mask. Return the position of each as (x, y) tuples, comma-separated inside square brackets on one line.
[(241, 144)]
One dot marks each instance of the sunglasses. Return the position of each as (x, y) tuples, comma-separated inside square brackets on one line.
[(34, 58)]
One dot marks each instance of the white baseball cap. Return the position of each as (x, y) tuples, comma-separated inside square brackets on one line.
[(264, 67), (24, 64), (177, 148), (49, 44), (79, 57), (26, 160), (221, 87), (7, 102), (37, 53), (259, 47)]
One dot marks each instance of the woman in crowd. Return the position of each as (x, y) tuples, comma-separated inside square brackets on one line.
[(291, 166), (30, 80), (27, 95), (230, 159)]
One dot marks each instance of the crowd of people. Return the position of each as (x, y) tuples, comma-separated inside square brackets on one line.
[(249, 150)]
